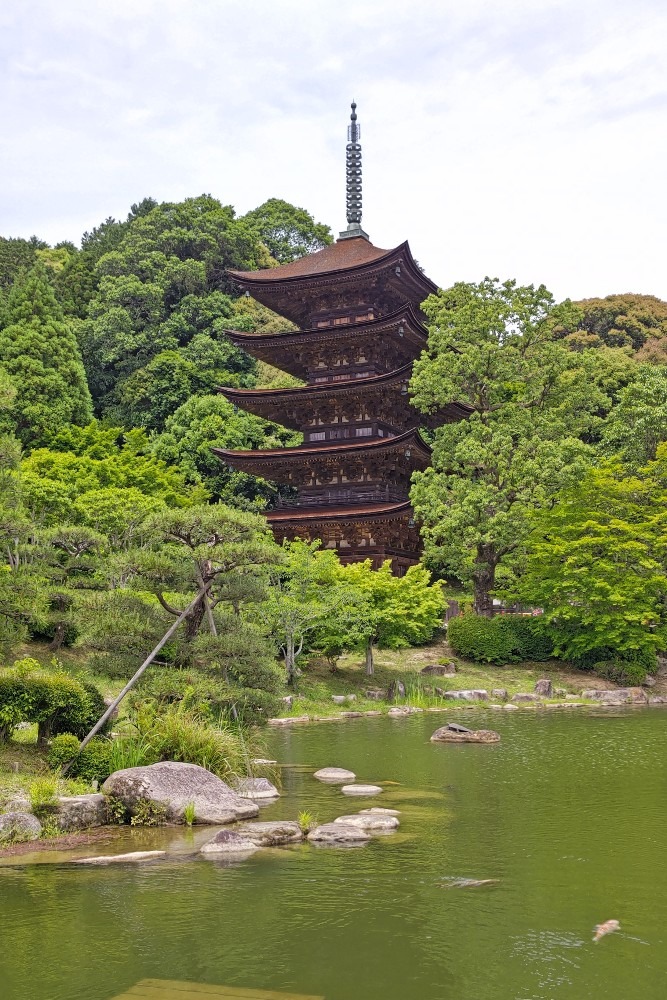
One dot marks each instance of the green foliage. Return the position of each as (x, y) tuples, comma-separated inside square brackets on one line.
[(189, 814), (43, 792), (55, 701), (286, 231), (127, 752), (621, 671), (184, 736), (39, 353), (636, 322), (148, 813), (492, 348), (92, 763), (307, 821), (116, 810), (638, 423), (596, 563), (17, 255), (500, 639)]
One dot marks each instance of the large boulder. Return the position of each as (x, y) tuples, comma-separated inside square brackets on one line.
[(338, 835), (544, 687), (174, 785), (256, 788), (77, 812), (439, 670), (619, 696), (271, 834), (334, 775), (525, 697), (19, 826), (450, 734), (471, 695), (229, 842), (370, 822)]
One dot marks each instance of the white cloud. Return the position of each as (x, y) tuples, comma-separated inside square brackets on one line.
[(500, 139)]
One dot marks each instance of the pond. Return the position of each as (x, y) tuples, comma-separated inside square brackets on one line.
[(567, 812)]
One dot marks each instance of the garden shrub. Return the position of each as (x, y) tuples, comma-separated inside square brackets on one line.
[(54, 700), (206, 695), (630, 672), (92, 763), (501, 639), (185, 736)]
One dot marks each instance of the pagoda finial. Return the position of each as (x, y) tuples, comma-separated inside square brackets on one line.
[(353, 178)]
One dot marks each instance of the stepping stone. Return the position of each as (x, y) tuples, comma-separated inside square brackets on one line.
[(361, 789), (334, 775), (229, 842), (335, 834), (370, 823), (256, 788)]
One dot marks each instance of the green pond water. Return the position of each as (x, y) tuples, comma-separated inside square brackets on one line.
[(568, 812)]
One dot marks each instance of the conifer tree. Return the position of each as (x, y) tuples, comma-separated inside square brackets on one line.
[(40, 355)]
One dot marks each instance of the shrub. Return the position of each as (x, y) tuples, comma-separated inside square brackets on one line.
[(92, 763), (501, 639), (43, 793), (207, 696), (185, 736), (148, 813), (621, 671), (54, 700)]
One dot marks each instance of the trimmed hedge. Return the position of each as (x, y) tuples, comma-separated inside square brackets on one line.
[(55, 701), (92, 763), (501, 639)]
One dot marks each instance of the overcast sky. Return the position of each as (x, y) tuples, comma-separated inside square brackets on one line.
[(514, 138)]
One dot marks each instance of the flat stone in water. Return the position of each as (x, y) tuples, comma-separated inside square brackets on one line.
[(338, 834), (229, 842), (371, 823), (334, 775), (271, 834), (447, 735), (379, 811), (361, 789), (113, 859)]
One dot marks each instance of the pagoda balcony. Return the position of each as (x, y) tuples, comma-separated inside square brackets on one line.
[(340, 496)]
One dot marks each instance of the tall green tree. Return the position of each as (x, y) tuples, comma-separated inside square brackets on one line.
[(286, 231), (638, 423), (597, 561), (530, 399), (39, 354)]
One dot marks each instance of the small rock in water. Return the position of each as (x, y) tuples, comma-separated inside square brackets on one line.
[(379, 811), (608, 927), (256, 788), (334, 775), (338, 834), (361, 789), (370, 822), (543, 687), (447, 735), (271, 834), (229, 842), (113, 859)]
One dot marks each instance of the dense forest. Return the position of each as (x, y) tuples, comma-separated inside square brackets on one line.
[(116, 516)]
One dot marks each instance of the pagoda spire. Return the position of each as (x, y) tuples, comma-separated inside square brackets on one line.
[(353, 179)]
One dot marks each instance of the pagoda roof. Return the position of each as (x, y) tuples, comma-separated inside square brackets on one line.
[(374, 511), (271, 403), (278, 349), (339, 256), (349, 261), (255, 460)]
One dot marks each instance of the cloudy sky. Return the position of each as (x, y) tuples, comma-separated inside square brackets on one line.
[(515, 138)]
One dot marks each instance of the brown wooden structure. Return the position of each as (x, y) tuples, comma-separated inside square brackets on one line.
[(358, 307)]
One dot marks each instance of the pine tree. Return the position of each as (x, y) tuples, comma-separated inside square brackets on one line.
[(40, 355)]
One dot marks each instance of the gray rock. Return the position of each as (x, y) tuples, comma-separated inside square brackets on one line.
[(470, 695), (370, 822), (293, 721), (500, 694), (19, 826), (456, 727), (511, 708), (619, 696), (256, 788), (175, 785), (560, 692), (288, 700), (374, 694), (544, 687), (114, 859), (263, 761), (229, 842), (338, 835), (271, 834), (339, 699), (352, 715), (396, 690), (447, 735), (439, 670), (404, 710), (649, 681), (361, 789), (18, 804), (77, 812), (379, 811), (334, 775), (525, 697), (657, 700)]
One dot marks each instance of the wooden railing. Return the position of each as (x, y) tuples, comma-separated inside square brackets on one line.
[(343, 495)]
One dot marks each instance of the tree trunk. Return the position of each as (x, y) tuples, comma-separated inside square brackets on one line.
[(369, 657), (58, 638), (290, 662), (44, 731), (484, 578), (194, 621)]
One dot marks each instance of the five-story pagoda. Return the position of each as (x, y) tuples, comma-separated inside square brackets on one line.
[(361, 329)]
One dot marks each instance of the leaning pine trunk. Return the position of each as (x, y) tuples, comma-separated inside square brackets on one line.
[(369, 657)]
